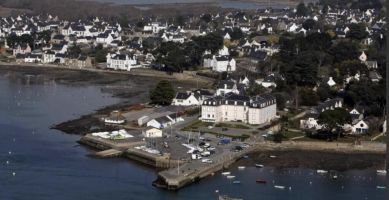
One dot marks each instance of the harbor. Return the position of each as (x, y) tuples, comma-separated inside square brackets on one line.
[(178, 170)]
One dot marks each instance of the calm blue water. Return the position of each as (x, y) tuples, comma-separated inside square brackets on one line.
[(50, 165)]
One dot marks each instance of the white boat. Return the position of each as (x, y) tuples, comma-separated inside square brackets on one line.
[(273, 156), (381, 187), (321, 171), (230, 177), (241, 167), (279, 187), (259, 165), (236, 182), (381, 172), (226, 173)]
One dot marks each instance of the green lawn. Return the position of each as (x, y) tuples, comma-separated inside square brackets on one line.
[(227, 125)]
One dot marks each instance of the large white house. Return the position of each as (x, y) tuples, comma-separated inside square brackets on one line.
[(220, 63), (121, 62), (232, 107)]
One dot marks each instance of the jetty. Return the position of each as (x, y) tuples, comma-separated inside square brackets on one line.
[(194, 171)]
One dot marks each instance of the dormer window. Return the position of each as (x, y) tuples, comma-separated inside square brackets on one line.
[(236, 103)]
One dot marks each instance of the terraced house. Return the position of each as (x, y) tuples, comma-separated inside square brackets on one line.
[(237, 108)]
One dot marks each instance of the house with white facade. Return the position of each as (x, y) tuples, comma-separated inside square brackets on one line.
[(225, 87), (152, 132), (21, 49), (48, 56), (237, 108), (186, 99), (220, 63), (121, 62)]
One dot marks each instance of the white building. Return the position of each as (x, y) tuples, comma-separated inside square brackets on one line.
[(225, 87), (121, 62), (48, 57), (220, 63), (331, 82), (186, 99), (258, 110), (151, 132), (359, 127)]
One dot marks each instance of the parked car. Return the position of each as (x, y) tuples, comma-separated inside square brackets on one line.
[(206, 160), (196, 157), (205, 154)]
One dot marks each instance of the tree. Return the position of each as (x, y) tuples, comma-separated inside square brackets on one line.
[(357, 31), (180, 20), (255, 89), (345, 50), (101, 55), (309, 24), (45, 35), (74, 51), (333, 120), (236, 33), (308, 97), (302, 10), (206, 18), (162, 94), (351, 67)]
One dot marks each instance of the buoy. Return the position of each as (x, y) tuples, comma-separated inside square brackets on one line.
[(13, 173), (7, 162), (290, 188), (310, 182), (9, 152)]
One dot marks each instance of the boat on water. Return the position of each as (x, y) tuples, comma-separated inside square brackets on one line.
[(259, 165), (272, 156), (335, 177), (224, 197), (321, 171), (236, 182), (226, 173), (241, 167), (381, 187), (279, 187), (381, 172), (261, 181), (230, 177)]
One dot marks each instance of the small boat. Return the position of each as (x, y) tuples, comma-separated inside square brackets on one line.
[(226, 173), (241, 167), (261, 181), (246, 156), (236, 182), (259, 165), (320, 171), (272, 156), (381, 172), (230, 177), (279, 187), (335, 177), (381, 187)]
